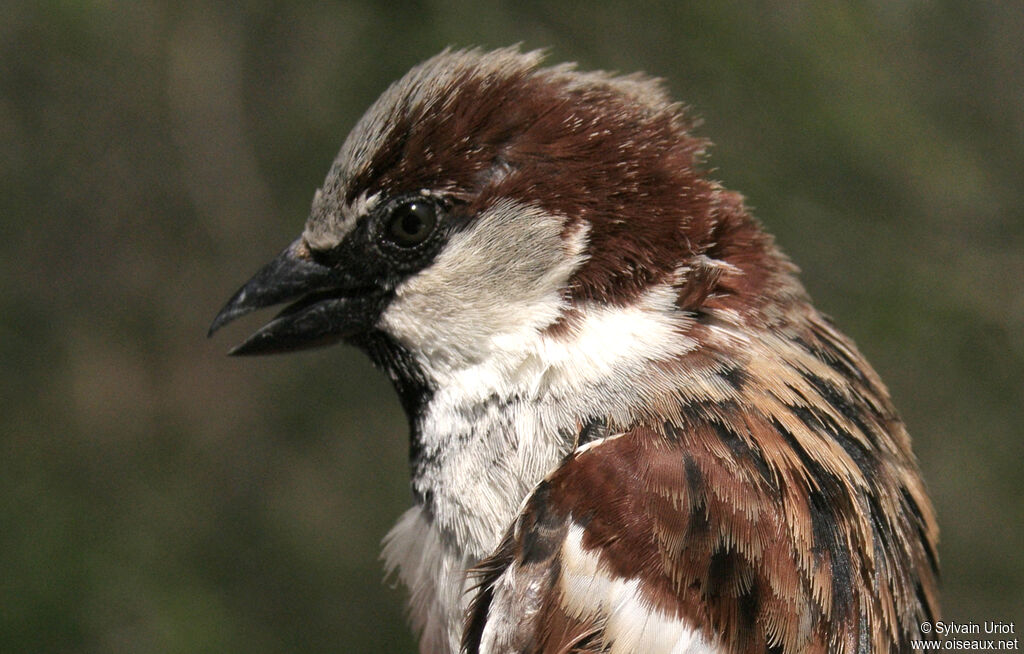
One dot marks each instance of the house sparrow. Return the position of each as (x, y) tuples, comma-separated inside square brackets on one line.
[(631, 431)]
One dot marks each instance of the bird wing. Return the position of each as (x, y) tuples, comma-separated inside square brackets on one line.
[(591, 564), (718, 535)]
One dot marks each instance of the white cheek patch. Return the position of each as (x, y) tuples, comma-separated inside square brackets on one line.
[(502, 277), (631, 622)]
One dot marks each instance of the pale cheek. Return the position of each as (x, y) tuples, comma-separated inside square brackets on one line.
[(449, 331), (492, 286)]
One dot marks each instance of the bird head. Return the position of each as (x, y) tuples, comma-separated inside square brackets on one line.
[(484, 201)]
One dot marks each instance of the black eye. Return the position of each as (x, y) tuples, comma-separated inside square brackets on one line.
[(412, 223)]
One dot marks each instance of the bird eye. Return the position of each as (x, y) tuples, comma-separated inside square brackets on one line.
[(412, 223)]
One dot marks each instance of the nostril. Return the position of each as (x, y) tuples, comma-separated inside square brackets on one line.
[(322, 257)]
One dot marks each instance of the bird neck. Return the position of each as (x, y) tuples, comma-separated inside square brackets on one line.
[(488, 430)]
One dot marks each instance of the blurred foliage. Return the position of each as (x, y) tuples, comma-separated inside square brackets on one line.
[(156, 496)]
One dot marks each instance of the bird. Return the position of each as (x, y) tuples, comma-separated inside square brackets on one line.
[(630, 428)]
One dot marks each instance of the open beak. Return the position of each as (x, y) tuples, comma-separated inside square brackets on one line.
[(329, 304)]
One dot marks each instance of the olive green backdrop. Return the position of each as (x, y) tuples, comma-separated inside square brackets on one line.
[(156, 496)]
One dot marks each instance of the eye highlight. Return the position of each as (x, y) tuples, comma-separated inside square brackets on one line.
[(412, 222)]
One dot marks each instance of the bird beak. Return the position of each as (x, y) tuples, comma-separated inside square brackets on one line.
[(329, 306)]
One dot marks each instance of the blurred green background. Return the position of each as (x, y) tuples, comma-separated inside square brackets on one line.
[(156, 496)]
